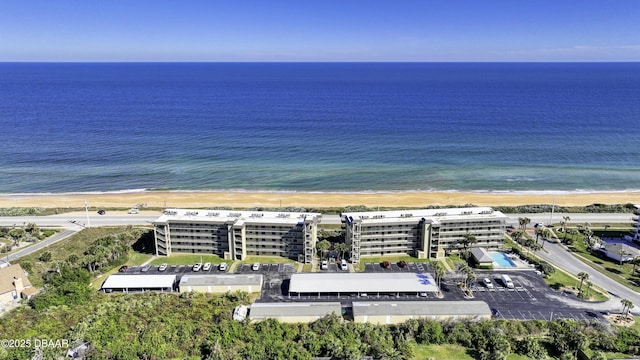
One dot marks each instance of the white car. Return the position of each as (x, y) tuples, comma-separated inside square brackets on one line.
[(223, 267), (487, 282), (197, 267), (343, 265), (163, 267), (255, 266), (206, 267), (324, 265)]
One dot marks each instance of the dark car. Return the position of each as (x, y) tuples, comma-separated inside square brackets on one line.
[(123, 268), (495, 312), (101, 212), (402, 264), (386, 264)]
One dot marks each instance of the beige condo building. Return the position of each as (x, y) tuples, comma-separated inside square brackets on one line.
[(426, 233), (234, 235)]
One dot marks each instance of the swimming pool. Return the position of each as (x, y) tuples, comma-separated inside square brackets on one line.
[(502, 259)]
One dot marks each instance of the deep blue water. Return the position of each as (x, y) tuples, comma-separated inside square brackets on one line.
[(319, 126)]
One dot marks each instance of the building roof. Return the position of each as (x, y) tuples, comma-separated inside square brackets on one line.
[(481, 255), (260, 311), (237, 217), (362, 282), (432, 215), (615, 249), (220, 280), (422, 308), (139, 281), (7, 275), (30, 291)]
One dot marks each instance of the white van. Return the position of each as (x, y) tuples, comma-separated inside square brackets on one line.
[(506, 280)]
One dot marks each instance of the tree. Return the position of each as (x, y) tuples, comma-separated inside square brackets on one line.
[(622, 252), (518, 235), (589, 284), (323, 247), (45, 256), (342, 248), (439, 271), (627, 305), (468, 240), (546, 234), (582, 276), (524, 221), (565, 220)]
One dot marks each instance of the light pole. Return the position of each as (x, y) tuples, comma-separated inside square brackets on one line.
[(86, 209)]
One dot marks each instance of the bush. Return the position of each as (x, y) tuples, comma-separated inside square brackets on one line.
[(547, 268), (45, 256)]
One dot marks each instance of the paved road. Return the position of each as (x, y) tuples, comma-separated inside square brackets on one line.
[(55, 238), (558, 255), (146, 218)]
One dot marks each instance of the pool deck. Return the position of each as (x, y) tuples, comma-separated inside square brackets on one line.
[(519, 263)]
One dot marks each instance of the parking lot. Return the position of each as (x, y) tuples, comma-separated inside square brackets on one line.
[(394, 267), (530, 298)]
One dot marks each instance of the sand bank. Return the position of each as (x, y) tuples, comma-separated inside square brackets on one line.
[(316, 200)]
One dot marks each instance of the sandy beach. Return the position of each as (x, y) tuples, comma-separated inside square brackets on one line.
[(201, 199)]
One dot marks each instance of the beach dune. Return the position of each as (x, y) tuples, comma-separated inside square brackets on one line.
[(213, 199)]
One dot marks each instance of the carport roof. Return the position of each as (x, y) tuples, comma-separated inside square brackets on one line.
[(217, 280), (260, 311), (139, 282), (362, 282), (438, 308)]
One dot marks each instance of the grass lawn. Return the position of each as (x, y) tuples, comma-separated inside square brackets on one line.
[(440, 352), (561, 279), (307, 268), (611, 268), (267, 260)]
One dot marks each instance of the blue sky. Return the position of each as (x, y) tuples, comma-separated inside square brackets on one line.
[(326, 30)]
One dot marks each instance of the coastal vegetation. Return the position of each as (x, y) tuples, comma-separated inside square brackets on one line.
[(520, 209), (199, 326), (11, 237)]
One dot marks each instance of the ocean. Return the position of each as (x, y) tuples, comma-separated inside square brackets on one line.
[(352, 127)]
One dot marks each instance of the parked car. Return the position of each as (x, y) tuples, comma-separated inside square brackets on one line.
[(343, 265), (324, 265), (145, 268), (423, 294), (255, 267), (101, 212), (133, 211), (206, 266), (123, 268), (223, 267), (386, 264), (402, 264), (197, 267), (487, 282), (162, 267)]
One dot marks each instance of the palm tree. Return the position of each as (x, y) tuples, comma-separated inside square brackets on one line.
[(517, 235), (538, 232), (323, 246), (546, 234), (439, 272), (524, 221), (622, 252), (635, 262), (467, 240), (582, 276), (342, 248), (565, 220), (627, 305), (589, 284)]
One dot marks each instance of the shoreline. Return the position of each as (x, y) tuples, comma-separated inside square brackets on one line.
[(277, 199)]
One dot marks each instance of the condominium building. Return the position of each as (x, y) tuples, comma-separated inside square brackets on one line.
[(428, 233), (234, 235)]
